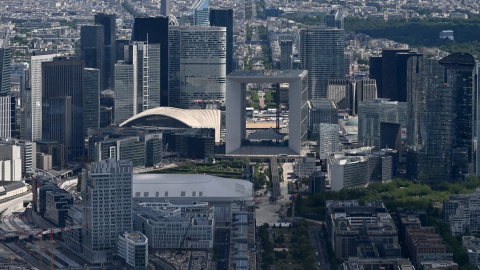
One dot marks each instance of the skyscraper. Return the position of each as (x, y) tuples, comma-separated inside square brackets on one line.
[(109, 45), (372, 113), (165, 8), (7, 116), (201, 12), (334, 18), (365, 90), (125, 105), (202, 66), (91, 99), (34, 112), (146, 64), (390, 71), (440, 136), (286, 52), (155, 31), (62, 115), (322, 54), (107, 207), (93, 49), (5, 62), (224, 18)]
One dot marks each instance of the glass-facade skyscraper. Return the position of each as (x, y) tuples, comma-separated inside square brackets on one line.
[(441, 117), (322, 54)]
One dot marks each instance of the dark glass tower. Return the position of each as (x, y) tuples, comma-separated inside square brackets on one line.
[(224, 18), (93, 49), (62, 112), (110, 48), (91, 99), (155, 31), (441, 118)]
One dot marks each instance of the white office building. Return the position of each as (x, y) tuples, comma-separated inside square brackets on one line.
[(133, 248), (6, 111), (107, 207), (10, 163), (176, 225), (347, 171)]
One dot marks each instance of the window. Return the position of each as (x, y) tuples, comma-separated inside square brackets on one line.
[(182, 194), (145, 194), (137, 194), (157, 194), (166, 193), (200, 194), (193, 193)]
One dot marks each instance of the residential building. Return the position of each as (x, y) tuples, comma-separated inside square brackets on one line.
[(58, 202), (472, 245), (461, 213), (349, 224), (321, 52), (107, 207), (44, 161)]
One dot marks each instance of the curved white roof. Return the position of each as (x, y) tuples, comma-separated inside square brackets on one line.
[(188, 186), (195, 118)]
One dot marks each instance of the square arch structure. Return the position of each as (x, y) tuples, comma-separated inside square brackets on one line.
[(236, 104)]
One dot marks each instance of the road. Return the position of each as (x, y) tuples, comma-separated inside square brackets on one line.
[(162, 264), (319, 248)]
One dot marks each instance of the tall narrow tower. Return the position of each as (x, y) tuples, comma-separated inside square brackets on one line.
[(107, 207), (322, 54)]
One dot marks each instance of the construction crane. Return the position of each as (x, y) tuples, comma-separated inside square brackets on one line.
[(185, 236)]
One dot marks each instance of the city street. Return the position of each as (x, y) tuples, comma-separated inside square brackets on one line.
[(319, 246)]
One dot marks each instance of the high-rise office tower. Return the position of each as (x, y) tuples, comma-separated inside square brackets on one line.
[(201, 66), (62, 115), (5, 62), (342, 92), (440, 135), (372, 113), (200, 12), (125, 105), (334, 18), (91, 99), (165, 8), (390, 71), (322, 54), (146, 64), (321, 111), (155, 31), (7, 116), (365, 90), (224, 18), (109, 45), (286, 52), (107, 207), (92, 49), (34, 104)]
